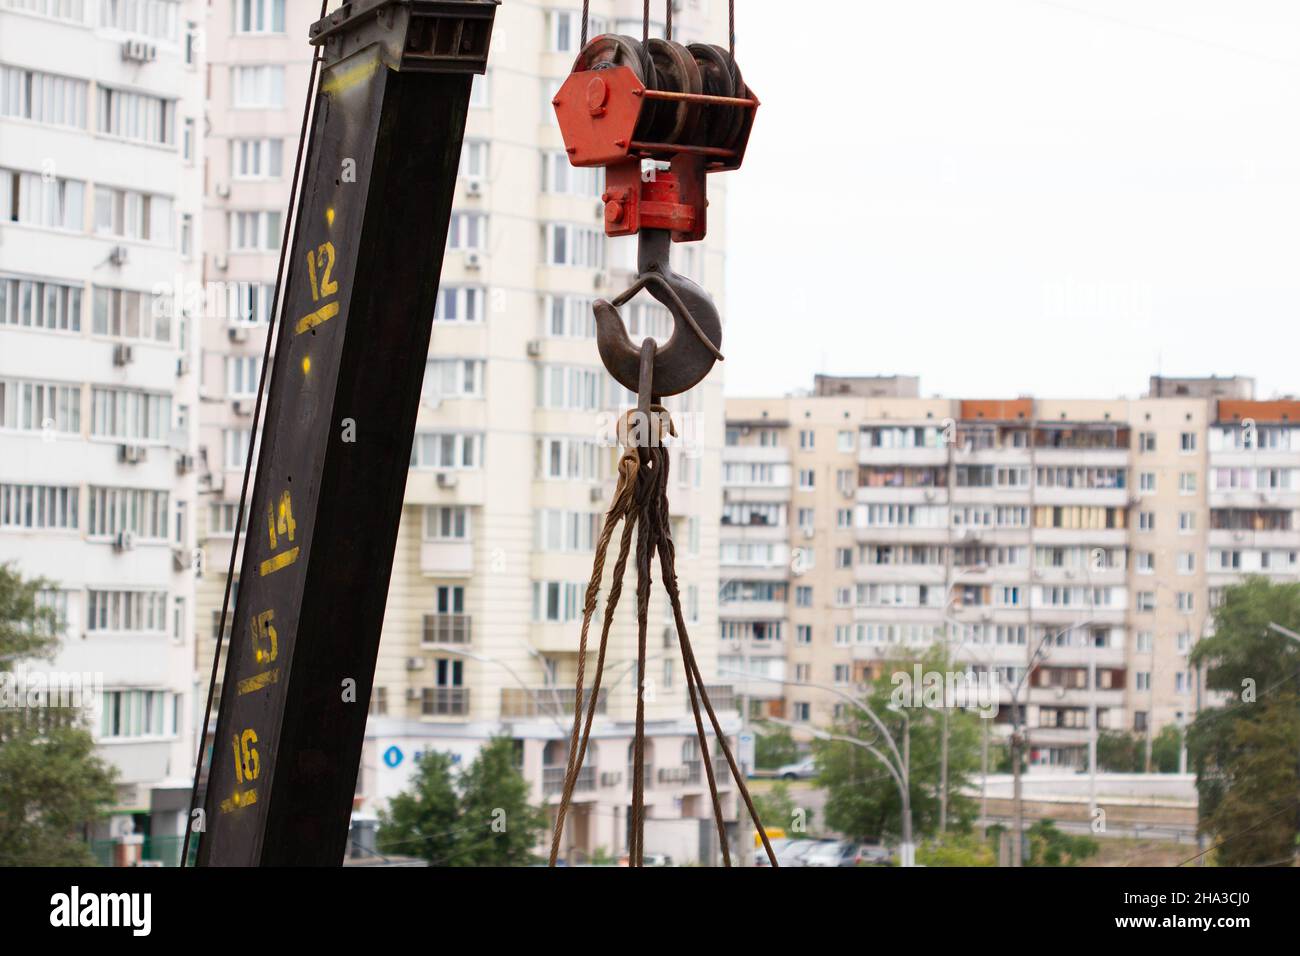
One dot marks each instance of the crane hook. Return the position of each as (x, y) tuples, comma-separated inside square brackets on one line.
[(688, 355)]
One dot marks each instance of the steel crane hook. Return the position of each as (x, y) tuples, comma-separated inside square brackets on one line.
[(682, 361)]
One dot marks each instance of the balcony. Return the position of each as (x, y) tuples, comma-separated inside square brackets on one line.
[(721, 696), (444, 702), (446, 558), (446, 629), (520, 702)]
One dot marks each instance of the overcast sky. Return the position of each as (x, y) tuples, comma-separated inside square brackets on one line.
[(1017, 196)]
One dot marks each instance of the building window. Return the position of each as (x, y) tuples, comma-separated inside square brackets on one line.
[(259, 16), (807, 478), (1146, 601), (570, 245), (463, 303), (133, 316), (157, 19), (40, 406), (1146, 481), (1187, 483), (261, 158), (257, 231), (1187, 442), (236, 443), (557, 601), (130, 414), (32, 200), (257, 87), (446, 523), (802, 711), (573, 388), (43, 97), (126, 612), (137, 116), (467, 231), (242, 375), (127, 214), (561, 178), (1146, 441), (1186, 522), (447, 450), (1146, 521), (137, 511), (137, 713), (573, 459), (453, 378), (806, 439), (40, 304), (44, 507)]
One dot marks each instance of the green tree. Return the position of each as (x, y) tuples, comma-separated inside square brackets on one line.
[(1244, 753), (956, 849), (774, 747), (481, 818), (1119, 752), (1048, 846), (498, 825), (777, 808), (52, 784), (1166, 749), (862, 800)]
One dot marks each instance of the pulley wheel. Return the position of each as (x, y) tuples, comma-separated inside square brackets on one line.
[(609, 50), (718, 125), (675, 72)]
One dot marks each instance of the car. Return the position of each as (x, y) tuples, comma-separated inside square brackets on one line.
[(863, 854), (825, 853), (793, 855), (779, 845), (803, 770)]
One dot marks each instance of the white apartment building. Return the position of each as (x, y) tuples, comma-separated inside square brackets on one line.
[(863, 523), (510, 473), (100, 188)]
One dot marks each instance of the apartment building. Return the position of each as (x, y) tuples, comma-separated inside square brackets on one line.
[(862, 522), (100, 179), (512, 468)]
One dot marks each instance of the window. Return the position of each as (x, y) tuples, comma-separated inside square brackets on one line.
[(126, 612), (568, 316), (467, 231), (1144, 642), (557, 601), (843, 558), (40, 304), (459, 303), (802, 711), (32, 200), (453, 378), (561, 178), (137, 116), (479, 94), (37, 406), (570, 458), (47, 507), (803, 634), (43, 97), (1187, 483), (1186, 562), (1142, 680), (130, 315), (141, 512), (1146, 441), (259, 16), (247, 303), (806, 439), (131, 215), (844, 440), (255, 231), (221, 518), (137, 713), (564, 30), (257, 87), (256, 158), (1146, 601), (569, 245), (1146, 521), (130, 414), (236, 442), (570, 387), (843, 518), (1186, 602), (447, 450), (564, 531), (1184, 642), (242, 375), (1187, 442), (1147, 481), (1146, 562), (1186, 522), (74, 11), (187, 236), (157, 19), (806, 479)]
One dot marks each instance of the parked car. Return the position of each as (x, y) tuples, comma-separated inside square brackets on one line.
[(863, 854), (793, 855), (826, 853), (779, 845), (802, 770)]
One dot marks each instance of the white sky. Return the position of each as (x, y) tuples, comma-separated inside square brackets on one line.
[(1017, 196)]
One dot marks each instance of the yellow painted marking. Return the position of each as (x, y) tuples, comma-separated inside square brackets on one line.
[(239, 801), (323, 314), (306, 365), (329, 216), (250, 684), (282, 560), (341, 80)]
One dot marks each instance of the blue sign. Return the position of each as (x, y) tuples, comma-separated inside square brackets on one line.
[(392, 756)]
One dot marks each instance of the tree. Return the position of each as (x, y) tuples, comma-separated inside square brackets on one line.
[(1245, 752), (956, 849), (1048, 846), (1166, 749), (499, 826), (52, 784), (482, 818), (1119, 752), (862, 800), (776, 808), (774, 747)]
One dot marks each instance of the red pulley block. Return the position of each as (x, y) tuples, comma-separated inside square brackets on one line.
[(610, 116)]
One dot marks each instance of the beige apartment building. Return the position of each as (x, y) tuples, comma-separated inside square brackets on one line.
[(512, 469), (862, 522)]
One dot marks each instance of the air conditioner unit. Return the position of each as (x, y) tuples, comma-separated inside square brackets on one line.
[(534, 348), (137, 51), (599, 280), (184, 464), (123, 355), (222, 190), (412, 693), (474, 186), (596, 493), (131, 454), (117, 256), (220, 262), (243, 407), (473, 260), (415, 663), (237, 333), (446, 479), (123, 541)]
